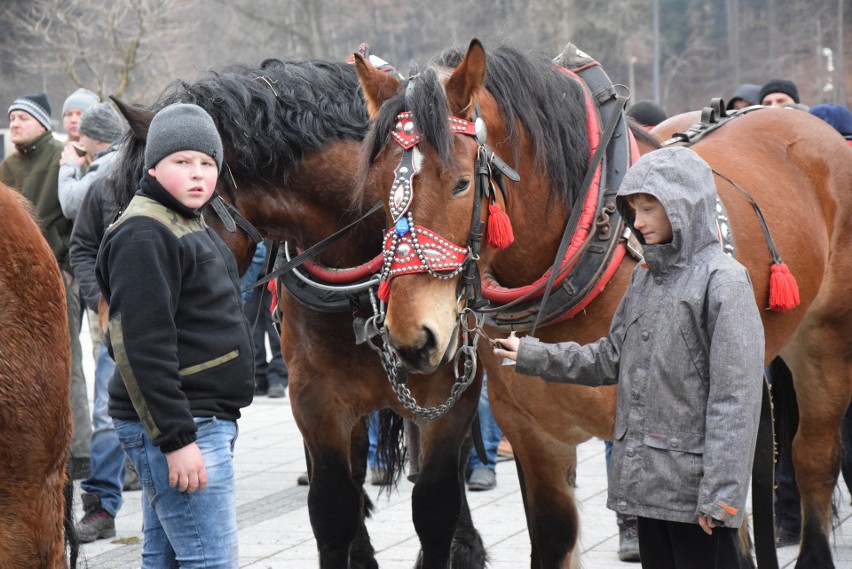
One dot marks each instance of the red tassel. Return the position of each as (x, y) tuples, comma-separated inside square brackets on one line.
[(272, 287), (499, 233), (384, 291), (783, 290)]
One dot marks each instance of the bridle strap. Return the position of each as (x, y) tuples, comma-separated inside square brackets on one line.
[(315, 249), (576, 211)]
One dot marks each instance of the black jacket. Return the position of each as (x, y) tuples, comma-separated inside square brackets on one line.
[(98, 210), (182, 346)]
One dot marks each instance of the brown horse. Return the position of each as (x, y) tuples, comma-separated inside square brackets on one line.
[(35, 415), (291, 133), (794, 167)]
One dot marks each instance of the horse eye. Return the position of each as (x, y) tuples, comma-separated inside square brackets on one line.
[(461, 186)]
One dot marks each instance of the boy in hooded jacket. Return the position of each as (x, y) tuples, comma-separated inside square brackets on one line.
[(183, 349), (686, 348)]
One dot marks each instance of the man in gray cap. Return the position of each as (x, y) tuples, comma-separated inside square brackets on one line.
[(73, 108), (34, 171), (100, 129)]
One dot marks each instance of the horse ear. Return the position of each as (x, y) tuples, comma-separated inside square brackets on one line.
[(138, 118), (467, 79), (376, 85)]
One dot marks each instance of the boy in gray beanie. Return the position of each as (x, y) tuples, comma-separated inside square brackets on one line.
[(182, 126), (181, 344), (100, 128)]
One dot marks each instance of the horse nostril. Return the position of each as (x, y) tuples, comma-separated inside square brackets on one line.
[(430, 341)]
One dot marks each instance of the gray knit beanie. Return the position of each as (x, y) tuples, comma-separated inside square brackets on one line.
[(101, 123), (182, 126), (81, 99), (36, 105)]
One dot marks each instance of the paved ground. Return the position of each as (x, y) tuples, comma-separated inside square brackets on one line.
[(275, 532)]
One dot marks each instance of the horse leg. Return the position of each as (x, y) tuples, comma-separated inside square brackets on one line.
[(337, 503), (440, 509), (552, 516), (824, 389)]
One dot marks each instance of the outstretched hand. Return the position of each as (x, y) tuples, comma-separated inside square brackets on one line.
[(508, 347)]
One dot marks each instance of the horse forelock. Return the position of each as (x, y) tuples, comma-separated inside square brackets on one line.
[(271, 116)]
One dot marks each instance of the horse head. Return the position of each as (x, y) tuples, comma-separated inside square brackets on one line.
[(465, 117)]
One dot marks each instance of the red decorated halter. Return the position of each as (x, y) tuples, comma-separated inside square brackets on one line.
[(410, 248)]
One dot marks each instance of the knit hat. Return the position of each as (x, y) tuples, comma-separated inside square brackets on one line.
[(647, 113), (100, 122), (779, 86), (182, 126), (80, 99), (34, 104), (835, 115), (748, 92)]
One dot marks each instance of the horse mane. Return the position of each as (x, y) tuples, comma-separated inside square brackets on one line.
[(531, 93), (269, 117)]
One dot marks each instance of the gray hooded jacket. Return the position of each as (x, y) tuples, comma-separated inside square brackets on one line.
[(686, 349)]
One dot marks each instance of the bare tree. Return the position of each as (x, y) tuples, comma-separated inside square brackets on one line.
[(107, 47)]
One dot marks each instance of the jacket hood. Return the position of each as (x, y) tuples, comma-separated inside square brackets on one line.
[(683, 182)]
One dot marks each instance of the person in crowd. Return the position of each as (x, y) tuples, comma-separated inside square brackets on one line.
[(686, 423), (73, 108), (837, 116), (483, 476), (647, 113), (182, 346), (270, 375), (33, 170), (778, 92), (746, 95), (100, 129)]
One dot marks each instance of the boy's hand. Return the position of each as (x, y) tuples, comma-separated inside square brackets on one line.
[(508, 347), (707, 524), (186, 469)]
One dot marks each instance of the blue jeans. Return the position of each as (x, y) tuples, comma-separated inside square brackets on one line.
[(491, 433), (373, 435), (107, 476), (197, 530)]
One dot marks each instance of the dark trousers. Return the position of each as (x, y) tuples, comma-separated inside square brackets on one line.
[(788, 507), (271, 371), (676, 545)]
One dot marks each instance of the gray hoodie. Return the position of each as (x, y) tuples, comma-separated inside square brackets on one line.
[(686, 349)]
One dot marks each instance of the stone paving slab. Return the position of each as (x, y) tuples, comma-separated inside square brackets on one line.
[(275, 532)]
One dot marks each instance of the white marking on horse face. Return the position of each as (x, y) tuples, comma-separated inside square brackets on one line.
[(417, 159)]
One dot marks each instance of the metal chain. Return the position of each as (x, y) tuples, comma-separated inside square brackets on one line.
[(465, 356)]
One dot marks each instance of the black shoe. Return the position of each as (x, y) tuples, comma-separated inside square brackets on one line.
[(785, 537), (97, 523), (379, 477), (303, 480), (628, 539)]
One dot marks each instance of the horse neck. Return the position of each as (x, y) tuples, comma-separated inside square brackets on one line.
[(537, 223), (315, 203)]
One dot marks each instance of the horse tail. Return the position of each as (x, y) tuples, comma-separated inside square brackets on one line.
[(390, 448), (72, 544)]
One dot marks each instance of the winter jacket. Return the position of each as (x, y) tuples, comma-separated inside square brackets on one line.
[(98, 210), (33, 170), (686, 349), (73, 183), (182, 346)]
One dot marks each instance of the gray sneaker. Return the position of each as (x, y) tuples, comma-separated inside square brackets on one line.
[(276, 391), (97, 523), (481, 480)]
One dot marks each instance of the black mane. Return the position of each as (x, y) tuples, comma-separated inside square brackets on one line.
[(269, 117), (529, 90)]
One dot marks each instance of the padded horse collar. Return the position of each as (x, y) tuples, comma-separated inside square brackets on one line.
[(590, 268)]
